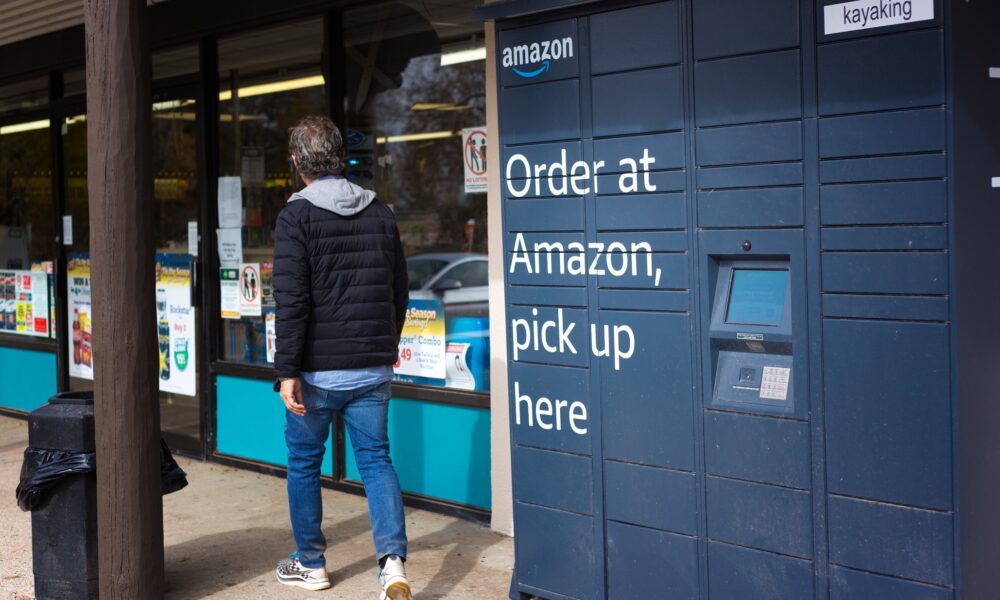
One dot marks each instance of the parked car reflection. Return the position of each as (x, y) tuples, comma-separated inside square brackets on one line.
[(459, 279)]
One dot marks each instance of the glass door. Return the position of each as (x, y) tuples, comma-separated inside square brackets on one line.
[(176, 230), (176, 206)]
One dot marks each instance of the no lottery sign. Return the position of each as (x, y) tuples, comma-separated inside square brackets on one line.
[(474, 157), (250, 289)]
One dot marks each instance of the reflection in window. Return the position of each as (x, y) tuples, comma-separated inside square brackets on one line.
[(416, 84), (269, 79), (421, 269), (175, 183), (22, 96), (174, 62)]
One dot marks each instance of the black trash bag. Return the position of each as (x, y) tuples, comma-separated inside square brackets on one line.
[(42, 469), (172, 476)]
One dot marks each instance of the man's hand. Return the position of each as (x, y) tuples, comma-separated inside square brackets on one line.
[(291, 394)]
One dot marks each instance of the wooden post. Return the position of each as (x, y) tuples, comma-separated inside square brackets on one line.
[(130, 508)]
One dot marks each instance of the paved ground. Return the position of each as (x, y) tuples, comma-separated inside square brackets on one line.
[(225, 531)]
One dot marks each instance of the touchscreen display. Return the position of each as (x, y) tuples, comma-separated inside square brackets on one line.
[(757, 296)]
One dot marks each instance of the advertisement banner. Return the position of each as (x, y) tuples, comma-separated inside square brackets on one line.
[(24, 303), (422, 347), (175, 325), (79, 312), (174, 314)]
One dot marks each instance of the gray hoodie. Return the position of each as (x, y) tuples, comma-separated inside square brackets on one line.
[(336, 194)]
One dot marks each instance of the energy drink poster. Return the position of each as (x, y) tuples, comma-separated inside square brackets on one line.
[(79, 309), (24, 303), (175, 325), (422, 346)]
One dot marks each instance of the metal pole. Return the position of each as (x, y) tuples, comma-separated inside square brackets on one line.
[(130, 509)]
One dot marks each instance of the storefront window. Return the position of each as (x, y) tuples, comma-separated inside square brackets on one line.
[(417, 137), (26, 294), (269, 79)]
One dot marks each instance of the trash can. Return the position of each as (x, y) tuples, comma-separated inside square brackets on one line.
[(64, 522), (59, 486)]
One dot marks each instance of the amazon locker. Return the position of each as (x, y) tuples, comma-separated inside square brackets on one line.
[(751, 297)]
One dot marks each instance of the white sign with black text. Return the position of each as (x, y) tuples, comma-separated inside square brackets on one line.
[(869, 14)]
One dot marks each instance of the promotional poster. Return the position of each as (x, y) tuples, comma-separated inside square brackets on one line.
[(81, 351), (422, 346), (175, 321), (175, 325), (24, 302)]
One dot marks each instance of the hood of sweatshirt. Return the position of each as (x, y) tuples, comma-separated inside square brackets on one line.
[(336, 194)]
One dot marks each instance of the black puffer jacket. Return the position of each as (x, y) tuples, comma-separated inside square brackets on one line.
[(340, 280)]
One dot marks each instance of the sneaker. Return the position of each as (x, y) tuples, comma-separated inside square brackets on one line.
[(291, 572), (392, 579)]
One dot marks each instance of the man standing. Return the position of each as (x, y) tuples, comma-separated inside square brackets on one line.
[(341, 290)]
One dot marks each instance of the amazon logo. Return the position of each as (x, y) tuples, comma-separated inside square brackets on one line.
[(531, 60)]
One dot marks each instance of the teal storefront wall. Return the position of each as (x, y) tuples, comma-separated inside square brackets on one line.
[(439, 450), (29, 378), (250, 422)]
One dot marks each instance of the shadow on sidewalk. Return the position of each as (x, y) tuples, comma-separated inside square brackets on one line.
[(218, 561), (460, 560), (214, 562), (454, 566)]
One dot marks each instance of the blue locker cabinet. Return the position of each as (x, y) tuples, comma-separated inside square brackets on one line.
[(752, 297)]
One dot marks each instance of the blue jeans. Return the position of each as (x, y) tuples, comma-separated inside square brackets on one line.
[(366, 413)]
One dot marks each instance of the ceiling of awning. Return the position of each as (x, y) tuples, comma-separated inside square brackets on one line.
[(23, 19)]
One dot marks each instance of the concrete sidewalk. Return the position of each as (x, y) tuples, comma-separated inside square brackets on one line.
[(227, 529)]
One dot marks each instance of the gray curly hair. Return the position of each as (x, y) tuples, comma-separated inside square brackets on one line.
[(317, 146)]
